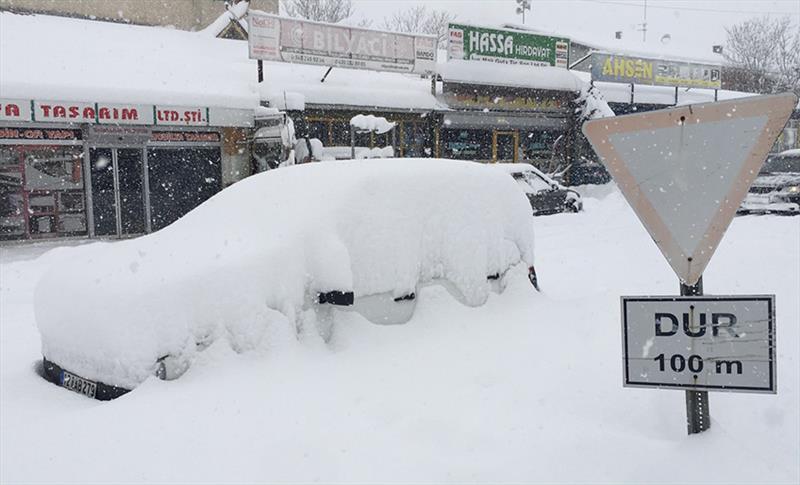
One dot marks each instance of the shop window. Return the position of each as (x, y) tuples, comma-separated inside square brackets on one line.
[(537, 144), (414, 139), (12, 204), (362, 140), (467, 144), (319, 130), (341, 134), (382, 140), (54, 187), (180, 180), (41, 191)]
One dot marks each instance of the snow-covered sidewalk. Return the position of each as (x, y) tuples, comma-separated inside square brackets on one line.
[(527, 388)]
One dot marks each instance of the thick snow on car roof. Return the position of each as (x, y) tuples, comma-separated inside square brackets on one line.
[(250, 261)]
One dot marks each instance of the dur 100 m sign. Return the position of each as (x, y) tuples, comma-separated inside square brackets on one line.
[(273, 38)]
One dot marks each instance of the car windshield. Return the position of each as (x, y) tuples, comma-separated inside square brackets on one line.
[(780, 164)]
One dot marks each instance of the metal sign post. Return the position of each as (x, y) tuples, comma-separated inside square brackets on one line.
[(685, 171), (698, 414)]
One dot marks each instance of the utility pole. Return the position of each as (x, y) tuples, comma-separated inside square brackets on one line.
[(644, 23), (522, 6)]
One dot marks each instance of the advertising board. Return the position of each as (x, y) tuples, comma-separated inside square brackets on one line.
[(273, 38), (654, 72), (99, 113), (470, 42)]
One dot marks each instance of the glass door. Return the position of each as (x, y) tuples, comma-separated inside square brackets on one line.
[(504, 146), (131, 191), (104, 204), (117, 191)]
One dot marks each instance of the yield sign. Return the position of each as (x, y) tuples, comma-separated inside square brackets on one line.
[(685, 170)]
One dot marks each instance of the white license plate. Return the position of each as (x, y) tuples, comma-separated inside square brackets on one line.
[(78, 384)]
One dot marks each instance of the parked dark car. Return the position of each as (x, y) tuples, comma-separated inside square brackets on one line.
[(545, 194), (776, 190)]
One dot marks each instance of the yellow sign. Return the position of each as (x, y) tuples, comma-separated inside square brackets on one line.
[(655, 72)]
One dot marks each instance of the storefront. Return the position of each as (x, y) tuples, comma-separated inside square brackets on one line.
[(97, 170), (331, 125), (506, 124)]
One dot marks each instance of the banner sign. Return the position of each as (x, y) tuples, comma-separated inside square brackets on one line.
[(506, 46), (655, 72), (273, 38), (719, 343), (112, 114), (503, 98), (15, 110), (185, 136), (39, 134), (181, 116)]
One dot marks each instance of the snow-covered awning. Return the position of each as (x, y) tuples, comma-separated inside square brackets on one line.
[(347, 88), (664, 95), (57, 58), (495, 74)]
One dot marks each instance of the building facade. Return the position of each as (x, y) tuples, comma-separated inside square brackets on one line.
[(181, 14), (98, 169)]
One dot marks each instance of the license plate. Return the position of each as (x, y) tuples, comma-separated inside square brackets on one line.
[(78, 384)]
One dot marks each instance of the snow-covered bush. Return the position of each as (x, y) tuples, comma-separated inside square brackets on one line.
[(252, 260)]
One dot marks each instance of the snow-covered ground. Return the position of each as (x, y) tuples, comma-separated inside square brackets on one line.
[(526, 388)]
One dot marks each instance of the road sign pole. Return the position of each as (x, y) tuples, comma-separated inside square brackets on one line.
[(698, 415)]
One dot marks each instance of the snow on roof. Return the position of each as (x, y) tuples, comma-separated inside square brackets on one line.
[(378, 124), (348, 87), (234, 13), (643, 94), (675, 50), (540, 77), (58, 58)]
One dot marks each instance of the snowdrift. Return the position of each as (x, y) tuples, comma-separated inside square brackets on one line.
[(253, 260)]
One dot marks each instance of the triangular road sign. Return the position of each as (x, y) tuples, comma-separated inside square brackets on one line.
[(685, 170)]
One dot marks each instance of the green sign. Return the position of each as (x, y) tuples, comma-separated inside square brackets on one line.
[(506, 46)]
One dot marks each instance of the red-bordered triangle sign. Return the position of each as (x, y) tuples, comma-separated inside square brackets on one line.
[(685, 170)]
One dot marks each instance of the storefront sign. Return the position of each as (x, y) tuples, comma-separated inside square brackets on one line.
[(120, 114), (503, 98), (506, 46), (64, 111), (185, 136), (181, 116), (39, 134), (15, 110), (124, 114), (116, 134), (273, 38), (656, 72), (505, 102)]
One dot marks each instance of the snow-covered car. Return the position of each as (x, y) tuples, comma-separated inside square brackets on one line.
[(546, 196), (279, 252), (776, 190)]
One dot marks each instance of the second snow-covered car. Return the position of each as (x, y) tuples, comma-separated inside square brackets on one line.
[(776, 190), (546, 196), (276, 253)]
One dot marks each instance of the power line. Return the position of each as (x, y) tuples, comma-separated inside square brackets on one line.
[(694, 9)]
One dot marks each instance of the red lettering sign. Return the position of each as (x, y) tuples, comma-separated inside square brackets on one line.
[(39, 134), (63, 111)]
